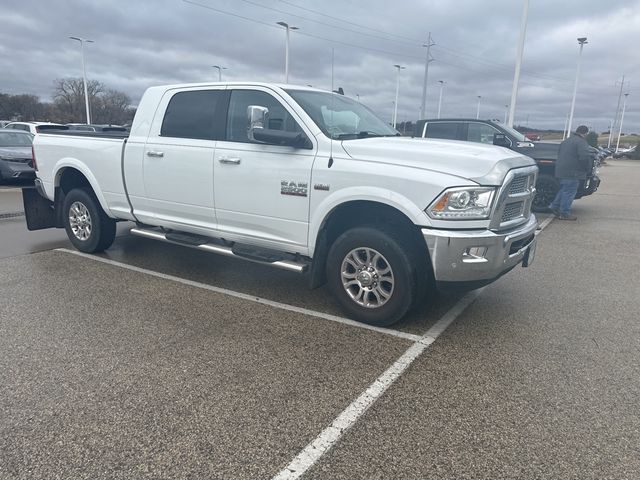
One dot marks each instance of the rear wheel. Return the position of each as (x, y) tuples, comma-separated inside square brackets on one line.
[(88, 227), (546, 189), (370, 273)]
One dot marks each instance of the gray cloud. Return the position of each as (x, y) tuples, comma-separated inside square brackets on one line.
[(144, 43)]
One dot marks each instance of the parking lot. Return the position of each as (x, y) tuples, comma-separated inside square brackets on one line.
[(157, 361)]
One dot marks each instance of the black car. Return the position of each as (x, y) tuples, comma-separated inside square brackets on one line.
[(16, 157), (493, 133)]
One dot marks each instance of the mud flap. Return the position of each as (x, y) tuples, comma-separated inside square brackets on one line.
[(38, 211)]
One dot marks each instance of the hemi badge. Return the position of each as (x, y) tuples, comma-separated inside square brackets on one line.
[(321, 186)]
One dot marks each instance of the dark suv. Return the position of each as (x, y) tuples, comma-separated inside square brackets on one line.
[(485, 131)]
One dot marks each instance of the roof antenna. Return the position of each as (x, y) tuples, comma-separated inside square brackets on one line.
[(332, 94)]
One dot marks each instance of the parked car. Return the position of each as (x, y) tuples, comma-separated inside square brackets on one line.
[(4, 123), (16, 157), (35, 127), (493, 133), (624, 152)]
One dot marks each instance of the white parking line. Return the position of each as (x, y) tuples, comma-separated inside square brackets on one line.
[(350, 415), (251, 298), (545, 223)]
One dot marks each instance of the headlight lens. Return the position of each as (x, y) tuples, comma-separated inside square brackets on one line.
[(463, 203)]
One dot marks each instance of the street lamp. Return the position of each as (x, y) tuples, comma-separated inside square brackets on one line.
[(478, 110), (219, 71), (428, 45), (442, 84), (624, 107), (84, 75), (395, 108), (286, 54), (581, 41), (516, 75)]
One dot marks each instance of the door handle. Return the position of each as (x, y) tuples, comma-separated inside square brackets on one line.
[(230, 160), (152, 153)]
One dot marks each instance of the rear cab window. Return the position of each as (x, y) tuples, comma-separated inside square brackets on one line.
[(442, 130), (192, 114)]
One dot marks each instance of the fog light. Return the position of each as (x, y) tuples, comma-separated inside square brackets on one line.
[(474, 255)]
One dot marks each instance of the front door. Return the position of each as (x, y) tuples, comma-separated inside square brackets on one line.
[(262, 191)]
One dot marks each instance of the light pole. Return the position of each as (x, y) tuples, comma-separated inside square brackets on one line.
[(219, 71), (428, 45), (624, 107), (395, 107), (442, 84), (286, 53), (478, 109), (516, 75), (581, 41), (84, 75), (506, 112)]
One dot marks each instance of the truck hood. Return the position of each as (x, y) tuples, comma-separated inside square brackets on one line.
[(484, 164)]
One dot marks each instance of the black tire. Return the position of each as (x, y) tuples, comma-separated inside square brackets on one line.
[(547, 187), (88, 227), (394, 253)]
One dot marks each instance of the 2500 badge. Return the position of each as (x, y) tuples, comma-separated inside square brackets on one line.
[(297, 189)]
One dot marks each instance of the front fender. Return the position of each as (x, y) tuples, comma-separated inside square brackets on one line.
[(323, 209)]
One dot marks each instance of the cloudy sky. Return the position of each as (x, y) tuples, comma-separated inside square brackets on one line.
[(151, 42)]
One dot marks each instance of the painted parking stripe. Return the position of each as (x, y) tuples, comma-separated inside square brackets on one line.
[(251, 298), (350, 415)]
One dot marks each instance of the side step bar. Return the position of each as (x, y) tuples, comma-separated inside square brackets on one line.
[(298, 267)]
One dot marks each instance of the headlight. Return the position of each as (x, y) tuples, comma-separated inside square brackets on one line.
[(463, 203)]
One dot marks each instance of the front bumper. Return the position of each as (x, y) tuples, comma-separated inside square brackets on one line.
[(468, 259)]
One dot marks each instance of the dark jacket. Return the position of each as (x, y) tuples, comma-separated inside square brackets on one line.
[(574, 158)]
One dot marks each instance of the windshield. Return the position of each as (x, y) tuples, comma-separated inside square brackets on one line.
[(519, 137), (15, 139), (340, 117)]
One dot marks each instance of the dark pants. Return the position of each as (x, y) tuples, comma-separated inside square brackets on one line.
[(566, 194)]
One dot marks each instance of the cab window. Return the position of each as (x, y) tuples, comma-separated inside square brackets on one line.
[(191, 114), (238, 124), (443, 130), (481, 133)]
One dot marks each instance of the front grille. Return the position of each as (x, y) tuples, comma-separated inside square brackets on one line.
[(519, 185), (511, 211)]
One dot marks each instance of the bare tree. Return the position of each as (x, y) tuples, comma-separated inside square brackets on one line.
[(21, 107), (112, 108), (68, 97)]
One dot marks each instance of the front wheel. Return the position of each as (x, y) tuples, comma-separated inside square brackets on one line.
[(88, 227), (370, 273), (547, 187)]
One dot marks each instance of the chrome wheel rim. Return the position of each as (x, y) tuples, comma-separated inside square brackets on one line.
[(80, 221), (367, 277)]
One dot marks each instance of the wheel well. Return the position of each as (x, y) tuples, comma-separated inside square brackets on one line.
[(357, 213), (71, 178)]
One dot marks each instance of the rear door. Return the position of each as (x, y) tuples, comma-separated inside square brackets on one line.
[(178, 159)]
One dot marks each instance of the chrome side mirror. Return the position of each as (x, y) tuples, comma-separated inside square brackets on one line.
[(257, 118)]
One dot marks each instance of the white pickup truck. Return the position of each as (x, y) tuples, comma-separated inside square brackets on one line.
[(298, 178)]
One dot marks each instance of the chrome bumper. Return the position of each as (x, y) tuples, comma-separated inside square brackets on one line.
[(477, 257)]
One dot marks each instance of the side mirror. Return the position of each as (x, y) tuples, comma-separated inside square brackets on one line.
[(257, 117), (501, 140), (259, 130)]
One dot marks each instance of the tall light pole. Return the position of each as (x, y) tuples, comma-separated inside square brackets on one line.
[(581, 41), (624, 107), (286, 53), (615, 118), (478, 109), (84, 75), (442, 84), (395, 107), (423, 105), (516, 76), (219, 71)]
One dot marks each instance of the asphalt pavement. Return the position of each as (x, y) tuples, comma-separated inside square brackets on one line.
[(157, 361)]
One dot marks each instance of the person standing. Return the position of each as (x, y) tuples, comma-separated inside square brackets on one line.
[(573, 164)]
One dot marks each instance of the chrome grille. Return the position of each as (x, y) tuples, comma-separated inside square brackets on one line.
[(515, 198), (519, 185), (511, 211)]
